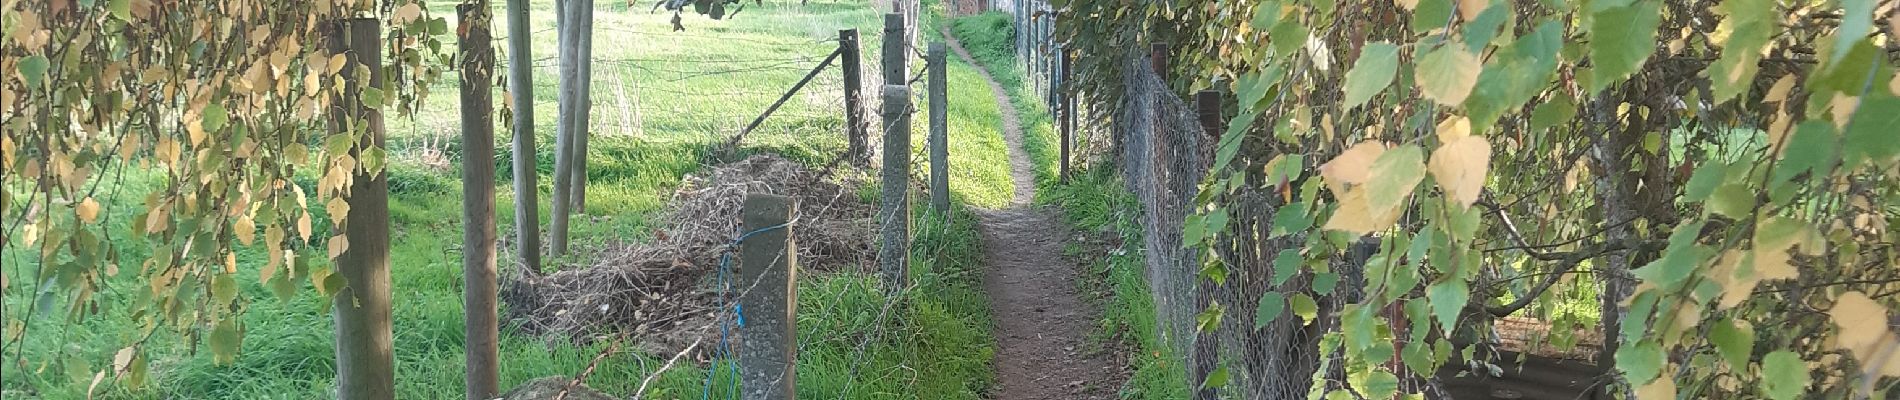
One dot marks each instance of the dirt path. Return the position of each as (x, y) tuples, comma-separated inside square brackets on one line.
[(1041, 321)]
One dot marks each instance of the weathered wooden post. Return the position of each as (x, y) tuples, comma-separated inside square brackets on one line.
[(894, 55), (858, 151), (893, 254), (1207, 343), (768, 272), (1067, 116), (939, 129), (478, 203), (365, 367), (1158, 57), (521, 89)]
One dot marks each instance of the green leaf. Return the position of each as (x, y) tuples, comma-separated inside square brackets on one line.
[(1292, 218), (1734, 200), (1193, 230), (1875, 132), (1784, 375), (1621, 38), (1209, 319), (1857, 20), (1679, 259), (1417, 356), (1430, 14), (121, 9), (215, 117), (1287, 37), (1518, 73), (1810, 148), (1372, 73), (1447, 75), (1381, 385), (1480, 31), (1750, 24), (1448, 297), (1558, 110), (1216, 379), (1304, 306), (1285, 265), (1325, 282), (1704, 181), (225, 341), (1394, 174), (372, 97), (1641, 362), (1272, 304), (1734, 342), (1266, 16), (33, 68)]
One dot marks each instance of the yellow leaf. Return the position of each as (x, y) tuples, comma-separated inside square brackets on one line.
[(1726, 272), (336, 63), (245, 229), (1469, 9), (1460, 166), (123, 359), (408, 13), (1779, 92), (1353, 166), (1448, 74), (338, 245), (1408, 5), (1862, 321), (1661, 388), (303, 227), (1452, 128), (274, 259), (88, 210), (339, 210), (1356, 215)]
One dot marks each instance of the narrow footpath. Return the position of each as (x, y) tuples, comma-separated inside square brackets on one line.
[(1042, 323)]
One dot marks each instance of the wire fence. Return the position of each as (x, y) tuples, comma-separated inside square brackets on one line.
[(1157, 145)]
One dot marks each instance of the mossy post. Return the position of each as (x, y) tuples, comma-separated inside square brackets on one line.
[(1067, 114), (768, 270), (859, 151), (893, 253), (939, 129), (365, 358)]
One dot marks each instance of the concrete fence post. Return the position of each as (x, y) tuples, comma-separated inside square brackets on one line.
[(768, 298), (894, 57), (893, 254), (939, 129)]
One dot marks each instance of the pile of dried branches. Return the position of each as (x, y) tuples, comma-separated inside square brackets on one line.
[(663, 292)]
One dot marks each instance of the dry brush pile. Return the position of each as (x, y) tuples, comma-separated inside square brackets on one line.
[(664, 292)]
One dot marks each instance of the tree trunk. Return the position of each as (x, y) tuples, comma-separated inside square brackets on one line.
[(478, 203), (1612, 154), (584, 44), (521, 89), (567, 31), (365, 362)]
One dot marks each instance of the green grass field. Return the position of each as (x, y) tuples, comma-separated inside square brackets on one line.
[(662, 100)]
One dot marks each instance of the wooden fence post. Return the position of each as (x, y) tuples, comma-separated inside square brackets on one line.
[(894, 59), (768, 299), (858, 151), (365, 367), (1158, 57), (893, 254), (939, 129), (1207, 344), (1067, 115)]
